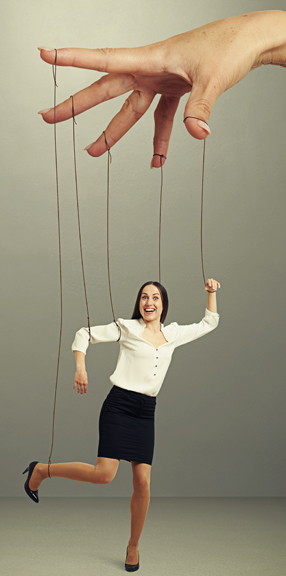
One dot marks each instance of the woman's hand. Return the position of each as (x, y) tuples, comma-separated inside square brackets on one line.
[(206, 61), (212, 285), (80, 381)]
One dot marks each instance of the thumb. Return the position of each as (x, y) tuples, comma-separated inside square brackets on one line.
[(198, 110)]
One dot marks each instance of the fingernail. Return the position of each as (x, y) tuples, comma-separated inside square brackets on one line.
[(204, 126), (44, 111), (89, 146), (45, 48)]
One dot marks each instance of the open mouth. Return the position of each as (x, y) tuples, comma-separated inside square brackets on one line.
[(149, 310)]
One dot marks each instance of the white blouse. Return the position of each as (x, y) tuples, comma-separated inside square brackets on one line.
[(140, 366)]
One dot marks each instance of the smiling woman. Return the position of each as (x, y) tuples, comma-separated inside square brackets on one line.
[(154, 295), (126, 422)]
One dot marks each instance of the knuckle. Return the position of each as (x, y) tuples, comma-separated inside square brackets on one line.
[(132, 106), (107, 54), (203, 105), (160, 143), (166, 110)]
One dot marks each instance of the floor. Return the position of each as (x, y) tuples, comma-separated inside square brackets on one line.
[(193, 536)]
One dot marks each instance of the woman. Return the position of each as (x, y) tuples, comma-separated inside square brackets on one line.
[(126, 423)]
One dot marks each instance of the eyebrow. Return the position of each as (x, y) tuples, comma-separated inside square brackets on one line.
[(154, 294)]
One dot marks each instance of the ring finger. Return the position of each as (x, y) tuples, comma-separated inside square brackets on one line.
[(106, 88)]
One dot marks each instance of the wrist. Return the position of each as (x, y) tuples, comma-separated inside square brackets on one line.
[(269, 29)]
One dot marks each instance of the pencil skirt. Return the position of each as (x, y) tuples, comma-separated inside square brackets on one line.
[(126, 426)]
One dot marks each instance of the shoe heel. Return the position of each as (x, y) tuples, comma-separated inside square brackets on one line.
[(27, 470)]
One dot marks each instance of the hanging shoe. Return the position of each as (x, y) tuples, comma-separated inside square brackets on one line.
[(131, 567), (31, 493)]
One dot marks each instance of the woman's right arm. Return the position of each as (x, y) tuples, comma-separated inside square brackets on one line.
[(80, 379), (108, 333)]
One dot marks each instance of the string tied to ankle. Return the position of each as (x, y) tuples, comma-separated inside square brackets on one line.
[(54, 71)]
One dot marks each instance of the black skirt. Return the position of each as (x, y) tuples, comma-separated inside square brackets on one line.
[(126, 426)]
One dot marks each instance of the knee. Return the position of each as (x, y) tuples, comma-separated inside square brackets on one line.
[(102, 476), (142, 487), (107, 477)]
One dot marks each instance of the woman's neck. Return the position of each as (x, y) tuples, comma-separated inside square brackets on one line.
[(154, 326)]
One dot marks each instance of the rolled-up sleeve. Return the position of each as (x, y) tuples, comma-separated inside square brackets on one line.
[(193, 331), (108, 333)]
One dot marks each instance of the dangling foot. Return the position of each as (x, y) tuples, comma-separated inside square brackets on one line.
[(36, 478), (33, 494)]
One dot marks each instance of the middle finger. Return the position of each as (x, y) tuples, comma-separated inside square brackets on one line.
[(132, 110)]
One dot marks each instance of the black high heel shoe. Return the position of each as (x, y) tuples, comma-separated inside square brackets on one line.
[(31, 493), (131, 567)]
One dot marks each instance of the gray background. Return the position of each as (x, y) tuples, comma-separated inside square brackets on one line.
[(220, 419)]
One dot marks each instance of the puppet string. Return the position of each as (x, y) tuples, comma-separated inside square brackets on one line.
[(54, 69), (109, 160), (78, 218), (160, 209), (202, 199), (202, 195)]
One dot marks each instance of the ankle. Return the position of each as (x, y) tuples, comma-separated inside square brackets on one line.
[(42, 469), (133, 544)]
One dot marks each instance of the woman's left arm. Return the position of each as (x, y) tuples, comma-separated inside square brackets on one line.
[(211, 287)]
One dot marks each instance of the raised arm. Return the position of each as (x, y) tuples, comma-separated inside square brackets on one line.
[(211, 287), (205, 61)]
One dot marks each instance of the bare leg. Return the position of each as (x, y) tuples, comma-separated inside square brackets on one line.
[(139, 505), (102, 473)]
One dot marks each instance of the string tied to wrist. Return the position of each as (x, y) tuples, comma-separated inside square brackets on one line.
[(202, 194), (160, 209)]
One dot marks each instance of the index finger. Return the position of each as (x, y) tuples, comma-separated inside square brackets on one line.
[(133, 60)]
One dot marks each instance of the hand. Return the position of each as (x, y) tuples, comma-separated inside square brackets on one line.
[(80, 381), (206, 61), (212, 285)]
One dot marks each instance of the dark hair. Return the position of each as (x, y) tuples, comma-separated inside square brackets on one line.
[(165, 301)]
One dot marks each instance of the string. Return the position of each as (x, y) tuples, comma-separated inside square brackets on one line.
[(202, 196), (78, 219), (203, 175), (109, 160), (160, 210), (54, 70)]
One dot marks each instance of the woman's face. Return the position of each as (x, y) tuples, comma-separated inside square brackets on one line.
[(151, 305)]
